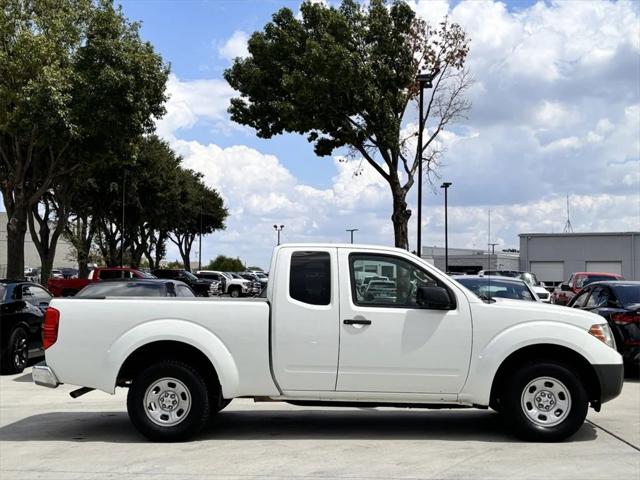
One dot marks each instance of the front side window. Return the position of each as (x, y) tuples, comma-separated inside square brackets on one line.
[(109, 274), (310, 277), (397, 288), (581, 299), (599, 298)]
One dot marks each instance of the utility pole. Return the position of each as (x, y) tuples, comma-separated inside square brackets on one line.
[(351, 230), (446, 186), (200, 240)]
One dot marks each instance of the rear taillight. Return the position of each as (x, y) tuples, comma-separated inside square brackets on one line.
[(50, 327), (625, 318)]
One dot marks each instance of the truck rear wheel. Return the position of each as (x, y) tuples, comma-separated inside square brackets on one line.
[(545, 401), (168, 401)]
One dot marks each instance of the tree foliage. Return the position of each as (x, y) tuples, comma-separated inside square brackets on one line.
[(345, 77), (223, 263), (76, 83)]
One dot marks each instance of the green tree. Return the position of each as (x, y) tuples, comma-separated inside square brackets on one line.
[(76, 82), (223, 263), (197, 209), (345, 77)]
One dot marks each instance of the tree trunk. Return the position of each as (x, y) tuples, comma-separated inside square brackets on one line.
[(16, 231), (43, 238), (400, 217)]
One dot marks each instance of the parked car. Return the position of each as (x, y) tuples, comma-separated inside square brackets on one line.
[(202, 287), (492, 287), (528, 277), (619, 303), (56, 273), (564, 292), (68, 287), (257, 277), (234, 287), (137, 288), (256, 284), (316, 341), (381, 292), (22, 307)]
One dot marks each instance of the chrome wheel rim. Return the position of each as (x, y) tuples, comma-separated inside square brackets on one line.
[(167, 402), (546, 401), (20, 352)]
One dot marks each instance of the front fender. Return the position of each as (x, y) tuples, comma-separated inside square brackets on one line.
[(178, 331), (487, 360)]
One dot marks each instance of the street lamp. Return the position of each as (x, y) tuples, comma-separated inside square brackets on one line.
[(278, 229), (424, 80), (351, 230), (446, 186)]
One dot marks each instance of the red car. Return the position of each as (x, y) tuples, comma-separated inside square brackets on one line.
[(63, 287), (564, 292)]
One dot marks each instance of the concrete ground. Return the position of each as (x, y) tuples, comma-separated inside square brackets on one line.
[(45, 434)]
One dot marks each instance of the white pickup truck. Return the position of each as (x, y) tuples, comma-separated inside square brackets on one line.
[(318, 339)]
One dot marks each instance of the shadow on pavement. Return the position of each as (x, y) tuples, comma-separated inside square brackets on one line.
[(26, 378), (365, 424)]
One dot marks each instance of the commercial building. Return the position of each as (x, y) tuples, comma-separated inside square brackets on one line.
[(553, 257), (469, 260), (64, 255)]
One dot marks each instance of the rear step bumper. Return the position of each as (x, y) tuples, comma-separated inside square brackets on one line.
[(44, 376)]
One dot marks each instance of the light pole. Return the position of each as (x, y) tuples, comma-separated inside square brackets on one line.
[(124, 183), (278, 229), (351, 230), (424, 80), (446, 186), (200, 240)]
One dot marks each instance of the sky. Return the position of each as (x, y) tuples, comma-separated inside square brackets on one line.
[(555, 112)]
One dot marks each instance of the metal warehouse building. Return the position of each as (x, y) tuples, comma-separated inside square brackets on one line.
[(553, 257)]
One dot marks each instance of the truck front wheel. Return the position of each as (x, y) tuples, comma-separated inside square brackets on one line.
[(545, 401), (168, 401)]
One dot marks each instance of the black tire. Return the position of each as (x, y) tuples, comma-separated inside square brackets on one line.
[(17, 352), (234, 292), (515, 405), (196, 387)]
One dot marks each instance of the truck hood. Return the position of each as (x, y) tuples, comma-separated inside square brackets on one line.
[(525, 311)]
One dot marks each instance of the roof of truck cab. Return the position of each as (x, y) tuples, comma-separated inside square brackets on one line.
[(356, 246)]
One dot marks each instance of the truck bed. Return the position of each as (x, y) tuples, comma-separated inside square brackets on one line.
[(90, 350)]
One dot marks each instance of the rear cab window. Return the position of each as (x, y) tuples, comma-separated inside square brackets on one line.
[(310, 277)]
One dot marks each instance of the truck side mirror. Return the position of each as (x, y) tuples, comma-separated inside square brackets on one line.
[(565, 287), (435, 298)]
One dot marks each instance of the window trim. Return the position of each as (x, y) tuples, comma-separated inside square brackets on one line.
[(352, 286)]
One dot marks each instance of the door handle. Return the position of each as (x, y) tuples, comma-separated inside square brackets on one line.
[(353, 321)]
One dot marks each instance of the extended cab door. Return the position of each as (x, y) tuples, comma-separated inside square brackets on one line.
[(388, 343), (305, 334)]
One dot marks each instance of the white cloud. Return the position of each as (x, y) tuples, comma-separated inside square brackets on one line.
[(235, 46), (194, 101)]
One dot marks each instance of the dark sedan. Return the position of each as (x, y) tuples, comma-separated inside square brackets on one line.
[(136, 288), (22, 307), (619, 303), (490, 287)]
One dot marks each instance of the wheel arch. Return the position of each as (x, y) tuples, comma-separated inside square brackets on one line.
[(546, 352), (160, 340)]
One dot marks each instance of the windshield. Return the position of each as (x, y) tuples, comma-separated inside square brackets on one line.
[(261, 275), (190, 276), (487, 288), (530, 278), (627, 294), (583, 281)]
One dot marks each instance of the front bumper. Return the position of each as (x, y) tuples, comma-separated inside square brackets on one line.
[(611, 378), (44, 376)]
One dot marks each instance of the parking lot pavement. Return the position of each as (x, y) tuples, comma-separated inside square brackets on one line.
[(45, 434)]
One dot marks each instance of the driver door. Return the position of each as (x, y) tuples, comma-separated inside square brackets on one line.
[(388, 343)]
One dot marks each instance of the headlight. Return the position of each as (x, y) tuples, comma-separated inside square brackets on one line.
[(602, 332)]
